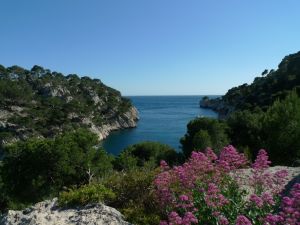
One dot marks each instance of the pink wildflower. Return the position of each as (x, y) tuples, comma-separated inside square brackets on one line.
[(210, 154), (163, 222), (189, 218), (184, 198), (268, 198), (164, 165), (223, 220), (214, 198), (230, 159), (175, 219), (273, 219), (291, 206), (256, 200), (290, 209), (261, 161), (242, 220)]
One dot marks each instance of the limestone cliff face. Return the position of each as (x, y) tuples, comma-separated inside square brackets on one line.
[(41, 103), (127, 120), (48, 213), (217, 105)]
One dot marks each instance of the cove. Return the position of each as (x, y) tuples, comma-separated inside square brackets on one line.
[(162, 119)]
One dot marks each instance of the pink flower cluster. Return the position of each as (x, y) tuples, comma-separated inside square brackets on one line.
[(290, 209), (262, 180), (174, 186), (188, 216), (213, 197), (242, 220), (201, 167), (230, 159), (262, 161), (198, 191), (174, 218)]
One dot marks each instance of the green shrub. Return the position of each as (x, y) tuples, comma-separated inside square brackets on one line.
[(203, 132), (38, 168), (125, 161), (277, 130), (138, 154), (202, 140), (245, 130), (87, 194), (135, 195), (281, 130)]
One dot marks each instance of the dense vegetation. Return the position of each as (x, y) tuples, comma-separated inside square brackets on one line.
[(39, 102), (72, 167), (277, 130), (38, 168), (138, 154), (264, 114), (202, 133)]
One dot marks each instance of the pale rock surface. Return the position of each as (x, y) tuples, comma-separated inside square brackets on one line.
[(47, 213)]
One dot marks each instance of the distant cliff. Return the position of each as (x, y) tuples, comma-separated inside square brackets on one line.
[(42, 103), (272, 85)]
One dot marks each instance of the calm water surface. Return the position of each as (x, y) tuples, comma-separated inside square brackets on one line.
[(162, 119)]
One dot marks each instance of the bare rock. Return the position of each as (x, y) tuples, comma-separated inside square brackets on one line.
[(47, 212)]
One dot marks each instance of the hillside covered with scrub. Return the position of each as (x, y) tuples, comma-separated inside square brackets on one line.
[(41, 103), (262, 92)]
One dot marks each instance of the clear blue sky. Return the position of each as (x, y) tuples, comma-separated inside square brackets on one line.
[(152, 47)]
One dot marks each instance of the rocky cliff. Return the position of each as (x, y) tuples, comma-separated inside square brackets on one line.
[(42, 103), (217, 105), (47, 212)]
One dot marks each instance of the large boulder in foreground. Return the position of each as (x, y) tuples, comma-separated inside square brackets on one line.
[(47, 212)]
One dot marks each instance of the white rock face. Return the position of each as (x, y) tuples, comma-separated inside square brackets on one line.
[(127, 120), (47, 213)]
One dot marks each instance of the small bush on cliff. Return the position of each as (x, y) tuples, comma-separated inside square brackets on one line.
[(87, 194), (135, 195)]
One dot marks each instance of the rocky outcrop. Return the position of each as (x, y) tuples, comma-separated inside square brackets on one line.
[(49, 213), (217, 105), (124, 121)]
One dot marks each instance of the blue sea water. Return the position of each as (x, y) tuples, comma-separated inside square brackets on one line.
[(162, 118)]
